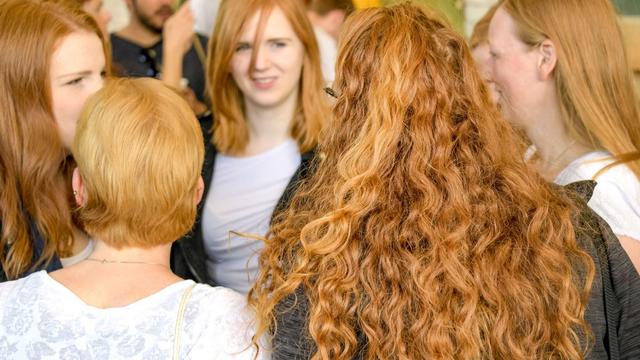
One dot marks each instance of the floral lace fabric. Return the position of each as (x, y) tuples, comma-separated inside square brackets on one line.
[(41, 319)]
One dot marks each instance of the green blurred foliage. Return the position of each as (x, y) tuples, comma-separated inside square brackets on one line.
[(452, 10), (628, 7)]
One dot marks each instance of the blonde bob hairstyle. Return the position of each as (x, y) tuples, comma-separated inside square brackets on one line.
[(139, 150), (230, 131), (593, 78)]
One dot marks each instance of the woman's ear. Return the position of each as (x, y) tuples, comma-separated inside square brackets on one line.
[(199, 190), (547, 59), (77, 184)]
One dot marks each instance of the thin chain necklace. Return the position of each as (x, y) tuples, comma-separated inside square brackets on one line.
[(555, 161), (105, 261)]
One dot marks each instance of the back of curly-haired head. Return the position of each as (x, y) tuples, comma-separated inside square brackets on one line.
[(422, 232)]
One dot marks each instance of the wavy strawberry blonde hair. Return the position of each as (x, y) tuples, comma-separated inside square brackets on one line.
[(230, 131), (597, 96), (32, 157), (422, 234)]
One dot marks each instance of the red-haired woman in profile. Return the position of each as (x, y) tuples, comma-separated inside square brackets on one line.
[(563, 78), (52, 58)]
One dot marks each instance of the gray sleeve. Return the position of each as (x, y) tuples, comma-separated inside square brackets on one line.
[(626, 286), (291, 339)]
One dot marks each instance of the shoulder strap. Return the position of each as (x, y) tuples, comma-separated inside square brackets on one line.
[(178, 331)]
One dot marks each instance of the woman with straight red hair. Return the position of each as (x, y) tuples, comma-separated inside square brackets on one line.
[(265, 85), (563, 78), (52, 58), (422, 233)]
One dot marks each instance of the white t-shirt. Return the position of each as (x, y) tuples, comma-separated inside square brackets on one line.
[(244, 192), (616, 197), (41, 319)]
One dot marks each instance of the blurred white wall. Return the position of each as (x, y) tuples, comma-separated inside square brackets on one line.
[(473, 11), (119, 13)]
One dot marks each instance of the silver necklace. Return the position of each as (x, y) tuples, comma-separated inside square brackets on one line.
[(556, 160), (105, 261)]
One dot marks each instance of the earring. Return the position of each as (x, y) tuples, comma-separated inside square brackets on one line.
[(75, 193)]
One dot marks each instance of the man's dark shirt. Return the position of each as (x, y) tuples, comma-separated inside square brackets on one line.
[(133, 60)]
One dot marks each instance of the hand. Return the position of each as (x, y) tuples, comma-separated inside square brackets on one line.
[(177, 36), (177, 32), (197, 107)]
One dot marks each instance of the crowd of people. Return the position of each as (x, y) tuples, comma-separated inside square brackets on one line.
[(312, 181)]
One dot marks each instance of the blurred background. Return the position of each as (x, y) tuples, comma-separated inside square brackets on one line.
[(462, 14)]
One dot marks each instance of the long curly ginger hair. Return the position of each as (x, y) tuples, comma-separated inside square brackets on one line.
[(421, 232)]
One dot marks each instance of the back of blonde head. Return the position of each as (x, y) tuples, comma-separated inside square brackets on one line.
[(139, 149), (418, 233), (593, 78)]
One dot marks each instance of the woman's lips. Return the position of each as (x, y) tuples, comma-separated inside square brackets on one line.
[(264, 83)]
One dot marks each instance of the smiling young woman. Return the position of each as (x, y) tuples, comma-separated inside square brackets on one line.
[(265, 85)]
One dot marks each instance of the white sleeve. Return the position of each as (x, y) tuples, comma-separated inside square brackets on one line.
[(229, 331), (617, 201)]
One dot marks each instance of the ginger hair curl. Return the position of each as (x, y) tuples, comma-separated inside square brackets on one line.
[(422, 233)]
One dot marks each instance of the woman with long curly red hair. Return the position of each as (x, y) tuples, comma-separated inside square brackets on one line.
[(422, 234)]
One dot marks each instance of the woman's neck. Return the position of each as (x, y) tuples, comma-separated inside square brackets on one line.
[(80, 240), (556, 148), (112, 277), (269, 126), (157, 255)]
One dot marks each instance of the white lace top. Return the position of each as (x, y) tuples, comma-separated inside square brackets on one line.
[(42, 319)]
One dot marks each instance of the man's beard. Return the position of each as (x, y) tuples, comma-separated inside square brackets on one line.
[(147, 22)]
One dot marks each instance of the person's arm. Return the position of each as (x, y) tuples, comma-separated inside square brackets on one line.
[(177, 37), (614, 200), (632, 247), (626, 286)]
